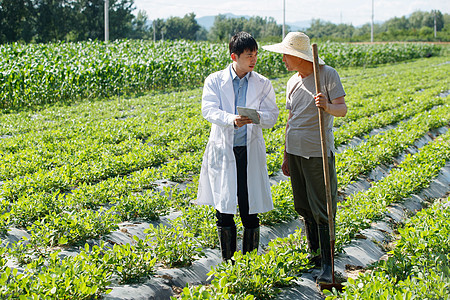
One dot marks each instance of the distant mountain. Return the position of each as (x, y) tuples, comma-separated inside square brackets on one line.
[(300, 25), (208, 21)]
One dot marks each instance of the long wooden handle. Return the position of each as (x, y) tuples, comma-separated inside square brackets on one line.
[(326, 172)]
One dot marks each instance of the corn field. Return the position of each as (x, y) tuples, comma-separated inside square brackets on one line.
[(34, 75)]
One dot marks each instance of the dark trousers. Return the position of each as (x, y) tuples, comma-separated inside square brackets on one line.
[(308, 187), (249, 221)]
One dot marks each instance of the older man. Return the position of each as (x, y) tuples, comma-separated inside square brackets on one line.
[(303, 154)]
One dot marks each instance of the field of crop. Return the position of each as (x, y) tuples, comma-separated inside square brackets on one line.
[(39, 74), (96, 196)]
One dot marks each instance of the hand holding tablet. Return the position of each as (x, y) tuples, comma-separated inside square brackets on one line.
[(249, 112)]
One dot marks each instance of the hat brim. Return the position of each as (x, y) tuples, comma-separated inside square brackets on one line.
[(280, 48)]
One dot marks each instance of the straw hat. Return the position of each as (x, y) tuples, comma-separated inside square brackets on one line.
[(296, 44)]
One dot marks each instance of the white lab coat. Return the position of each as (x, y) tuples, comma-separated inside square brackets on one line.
[(218, 175)]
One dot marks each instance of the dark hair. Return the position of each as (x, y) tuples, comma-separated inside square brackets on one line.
[(242, 41)]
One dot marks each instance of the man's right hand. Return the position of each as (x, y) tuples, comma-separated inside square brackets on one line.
[(285, 168)]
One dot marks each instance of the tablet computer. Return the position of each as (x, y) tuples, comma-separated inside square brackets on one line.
[(249, 112)]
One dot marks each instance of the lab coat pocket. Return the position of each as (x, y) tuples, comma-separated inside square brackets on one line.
[(214, 156)]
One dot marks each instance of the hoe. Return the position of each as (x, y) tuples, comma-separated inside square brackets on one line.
[(333, 284)]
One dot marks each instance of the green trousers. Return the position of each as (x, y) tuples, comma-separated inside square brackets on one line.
[(308, 187)]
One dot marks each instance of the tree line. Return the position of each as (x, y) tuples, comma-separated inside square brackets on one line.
[(76, 20), (57, 20), (43, 21), (419, 26)]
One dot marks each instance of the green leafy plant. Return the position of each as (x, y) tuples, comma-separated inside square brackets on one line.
[(58, 278), (131, 263), (199, 220), (174, 246), (148, 206), (71, 228), (418, 266), (283, 205), (253, 275)]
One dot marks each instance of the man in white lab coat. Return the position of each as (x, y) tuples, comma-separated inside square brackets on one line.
[(234, 168)]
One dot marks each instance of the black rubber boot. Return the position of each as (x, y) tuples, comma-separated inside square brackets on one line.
[(227, 239), (312, 237), (325, 275), (250, 240)]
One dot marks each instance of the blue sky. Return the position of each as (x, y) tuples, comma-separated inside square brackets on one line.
[(346, 11)]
